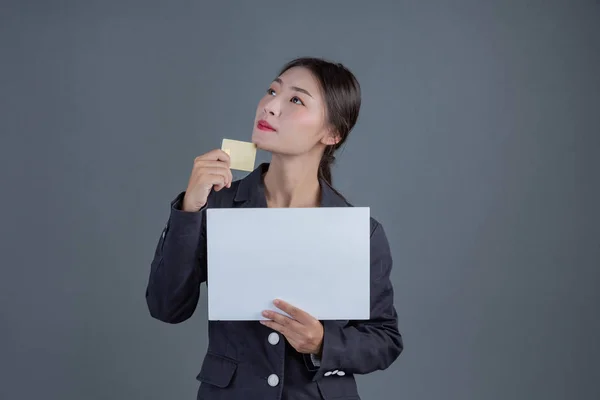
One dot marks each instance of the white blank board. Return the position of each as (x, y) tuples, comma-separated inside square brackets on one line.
[(317, 259)]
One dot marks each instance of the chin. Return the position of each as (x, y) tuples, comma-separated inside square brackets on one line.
[(262, 141)]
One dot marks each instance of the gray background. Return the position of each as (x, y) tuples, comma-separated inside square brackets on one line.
[(476, 148)]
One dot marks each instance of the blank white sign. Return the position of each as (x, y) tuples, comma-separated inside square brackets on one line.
[(317, 259)]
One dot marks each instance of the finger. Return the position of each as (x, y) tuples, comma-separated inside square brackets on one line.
[(293, 338), (219, 170), (206, 174), (283, 320), (299, 315), (228, 177), (218, 181), (216, 154), (210, 164), (295, 344), (277, 327)]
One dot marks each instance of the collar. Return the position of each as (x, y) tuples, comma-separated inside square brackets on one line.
[(251, 190)]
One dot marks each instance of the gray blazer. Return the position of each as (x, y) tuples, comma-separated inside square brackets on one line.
[(246, 360)]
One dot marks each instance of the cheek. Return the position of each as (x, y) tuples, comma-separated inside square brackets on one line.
[(302, 127), (305, 120)]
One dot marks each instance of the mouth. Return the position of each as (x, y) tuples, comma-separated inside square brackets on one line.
[(265, 126)]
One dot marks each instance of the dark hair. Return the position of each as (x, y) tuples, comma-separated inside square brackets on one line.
[(341, 92)]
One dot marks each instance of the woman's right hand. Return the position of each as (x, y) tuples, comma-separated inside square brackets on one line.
[(210, 170)]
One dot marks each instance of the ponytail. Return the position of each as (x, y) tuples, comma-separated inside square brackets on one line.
[(325, 164), (325, 168)]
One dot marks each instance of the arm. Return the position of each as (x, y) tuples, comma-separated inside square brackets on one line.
[(179, 265), (361, 347)]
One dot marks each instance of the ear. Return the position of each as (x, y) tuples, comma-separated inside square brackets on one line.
[(331, 138)]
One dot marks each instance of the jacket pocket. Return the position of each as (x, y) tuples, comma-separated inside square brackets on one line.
[(217, 370)]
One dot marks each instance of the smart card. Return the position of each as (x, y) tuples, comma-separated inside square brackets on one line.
[(242, 154)]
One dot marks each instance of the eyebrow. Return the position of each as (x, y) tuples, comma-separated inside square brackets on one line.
[(293, 87)]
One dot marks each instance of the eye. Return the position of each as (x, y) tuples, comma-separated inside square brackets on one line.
[(271, 91), (297, 101)]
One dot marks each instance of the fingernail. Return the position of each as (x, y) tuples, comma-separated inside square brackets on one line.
[(265, 313), (276, 302)]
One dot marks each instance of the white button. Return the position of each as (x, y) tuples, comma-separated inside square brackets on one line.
[(341, 373), (273, 338), (273, 380), (327, 373), (335, 371)]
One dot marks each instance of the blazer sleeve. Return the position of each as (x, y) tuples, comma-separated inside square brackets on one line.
[(179, 265), (361, 347)]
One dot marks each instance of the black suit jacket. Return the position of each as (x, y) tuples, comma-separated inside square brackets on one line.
[(247, 360)]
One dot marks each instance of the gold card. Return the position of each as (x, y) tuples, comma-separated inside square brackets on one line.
[(242, 154)]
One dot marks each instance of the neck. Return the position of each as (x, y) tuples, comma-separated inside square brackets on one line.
[(292, 182)]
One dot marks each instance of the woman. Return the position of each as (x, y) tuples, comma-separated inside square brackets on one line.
[(304, 116)]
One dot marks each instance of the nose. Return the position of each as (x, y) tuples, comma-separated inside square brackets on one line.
[(272, 107)]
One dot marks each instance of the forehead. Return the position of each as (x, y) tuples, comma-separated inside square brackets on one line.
[(302, 78)]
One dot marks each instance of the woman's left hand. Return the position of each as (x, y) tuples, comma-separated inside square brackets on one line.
[(303, 331)]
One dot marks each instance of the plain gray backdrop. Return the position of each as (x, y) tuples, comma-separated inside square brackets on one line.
[(477, 148)]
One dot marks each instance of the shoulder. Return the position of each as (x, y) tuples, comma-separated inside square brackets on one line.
[(380, 251), (376, 228), (377, 231)]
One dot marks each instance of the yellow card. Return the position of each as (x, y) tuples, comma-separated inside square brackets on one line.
[(242, 154)]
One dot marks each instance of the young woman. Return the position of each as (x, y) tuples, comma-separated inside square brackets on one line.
[(305, 115)]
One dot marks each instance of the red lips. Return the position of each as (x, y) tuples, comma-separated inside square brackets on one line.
[(265, 126)]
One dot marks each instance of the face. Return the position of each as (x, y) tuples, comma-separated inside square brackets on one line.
[(290, 118)]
